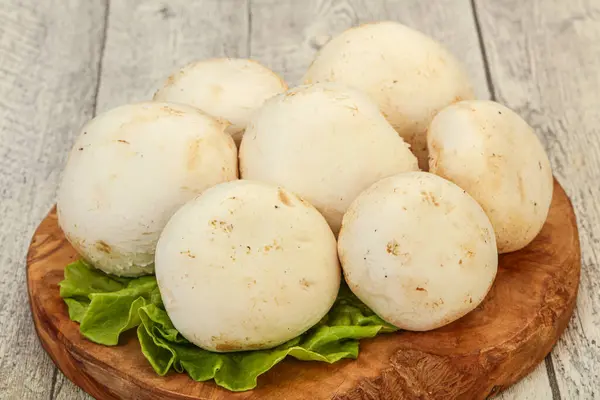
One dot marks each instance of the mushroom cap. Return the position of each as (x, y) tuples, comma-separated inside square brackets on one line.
[(326, 143), (493, 154), (418, 251), (129, 170), (408, 74), (227, 88), (246, 266)]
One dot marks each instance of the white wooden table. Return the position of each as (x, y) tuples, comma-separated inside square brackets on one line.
[(62, 61)]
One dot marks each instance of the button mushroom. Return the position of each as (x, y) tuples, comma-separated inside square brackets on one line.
[(493, 154), (129, 171), (408, 74), (326, 143), (246, 266), (227, 88), (418, 251)]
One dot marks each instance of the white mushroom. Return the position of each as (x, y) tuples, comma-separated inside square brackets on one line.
[(418, 251), (324, 142), (130, 169), (246, 266), (227, 88), (408, 74), (493, 154)]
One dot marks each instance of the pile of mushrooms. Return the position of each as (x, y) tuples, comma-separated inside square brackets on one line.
[(331, 173)]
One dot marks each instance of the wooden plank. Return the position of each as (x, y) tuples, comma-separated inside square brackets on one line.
[(303, 27), (48, 75), (64, 389), (544, 58), (148, 40), (535, 386)]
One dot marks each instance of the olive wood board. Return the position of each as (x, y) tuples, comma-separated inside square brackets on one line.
[(476, 357)]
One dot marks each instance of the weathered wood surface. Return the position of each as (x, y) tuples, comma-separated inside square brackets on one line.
[(542, 57), (49, 54)]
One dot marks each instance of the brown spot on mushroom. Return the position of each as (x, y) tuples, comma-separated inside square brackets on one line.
[(429, 198), (193, 153), (521, 187), (436, 303), (304, 202), (187, 253), (306, 284), (274, 246), (460, 262), (80, 149), (104, 247), (284, 198), (435, 156), (456, 99), (393, 247), (223, 225), (123, 141), (496, 162), (171, 111), (235, 345), (484, 233), (146, 233), (170, 80), (420, 289)]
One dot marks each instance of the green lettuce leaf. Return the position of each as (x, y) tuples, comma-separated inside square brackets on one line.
[(106, 306)]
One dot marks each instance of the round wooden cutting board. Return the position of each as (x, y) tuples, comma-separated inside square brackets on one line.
[(477, 356)]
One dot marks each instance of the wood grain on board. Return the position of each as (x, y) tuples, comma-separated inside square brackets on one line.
[(479, 355)]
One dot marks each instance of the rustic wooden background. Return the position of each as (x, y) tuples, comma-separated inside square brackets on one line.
[(62, 61)]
